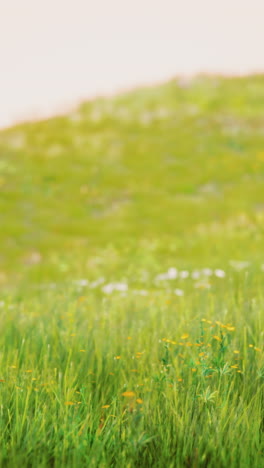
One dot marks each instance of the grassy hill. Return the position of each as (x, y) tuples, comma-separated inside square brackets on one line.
[(131, 281), (173, 173)]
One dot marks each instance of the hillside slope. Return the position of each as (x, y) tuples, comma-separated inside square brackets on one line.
[(172, 173)]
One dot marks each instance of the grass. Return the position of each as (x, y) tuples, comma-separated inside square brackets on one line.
[(131, 276)]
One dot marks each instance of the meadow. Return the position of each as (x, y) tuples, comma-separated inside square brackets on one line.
[(131, 280)]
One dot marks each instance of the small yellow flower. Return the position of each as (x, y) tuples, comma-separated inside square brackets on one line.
[(217, 338), (236, 351), (235, 366), (201, 354), (251, 346), (117, 357), (29, 371), (180, 380), (81, 298), (194, 370), (139, 401), (184, 336), (129, 338), (82, 350), (106, 406), (69, 403), (128, 394)]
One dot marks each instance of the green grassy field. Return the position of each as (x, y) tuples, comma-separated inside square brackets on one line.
[(131, 281)]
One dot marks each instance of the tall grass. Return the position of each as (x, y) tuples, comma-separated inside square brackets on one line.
[(155, 380)]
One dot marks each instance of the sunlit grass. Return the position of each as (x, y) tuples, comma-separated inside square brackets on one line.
[(125, 380), (131, 281)]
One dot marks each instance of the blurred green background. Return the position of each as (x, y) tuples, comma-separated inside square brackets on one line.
[(160, 176)]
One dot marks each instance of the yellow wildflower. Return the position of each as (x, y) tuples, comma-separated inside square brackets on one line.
[(217, 338), (128, 394), (184, 336)]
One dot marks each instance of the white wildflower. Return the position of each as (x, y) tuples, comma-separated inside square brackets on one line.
[(141, 292), (184, 274), (97, 282), (239, 265), (179, 292), (207, 271), (109, 288), (219, 273), (81, 282), (196, 274), (172, 273)]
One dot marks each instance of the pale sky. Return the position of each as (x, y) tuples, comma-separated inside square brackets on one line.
[(54, 53)]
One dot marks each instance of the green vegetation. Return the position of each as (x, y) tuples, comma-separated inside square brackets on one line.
[(131, 281)]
